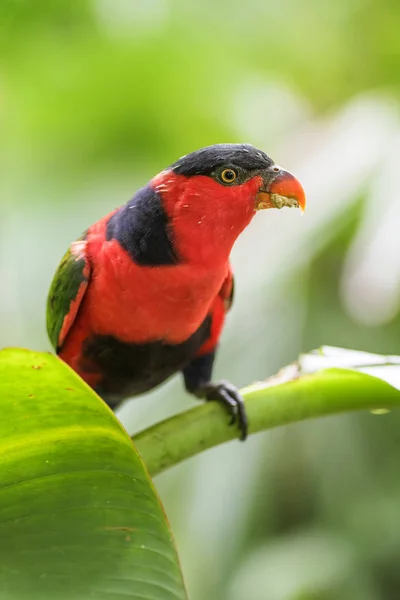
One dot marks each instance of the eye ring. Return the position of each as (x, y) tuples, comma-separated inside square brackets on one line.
[(228, 175)]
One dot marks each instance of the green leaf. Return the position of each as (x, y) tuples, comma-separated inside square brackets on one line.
[(79, 516), (380, 366)]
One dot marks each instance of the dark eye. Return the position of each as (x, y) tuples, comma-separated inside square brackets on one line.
[(228, 175)]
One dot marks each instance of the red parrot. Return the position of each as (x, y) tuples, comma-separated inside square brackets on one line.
[(143, 293)]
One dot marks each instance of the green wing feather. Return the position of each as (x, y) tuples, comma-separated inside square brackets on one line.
[(66, 292)]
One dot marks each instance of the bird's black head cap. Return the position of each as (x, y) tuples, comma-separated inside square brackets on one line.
[(206, 161)]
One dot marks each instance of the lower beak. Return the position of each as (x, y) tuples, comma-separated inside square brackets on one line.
[(281, 190)]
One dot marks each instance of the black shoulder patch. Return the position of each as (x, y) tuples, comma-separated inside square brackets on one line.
[(206, 160), (142, 229)]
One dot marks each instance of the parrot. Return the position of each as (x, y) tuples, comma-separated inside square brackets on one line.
[(143, 293)]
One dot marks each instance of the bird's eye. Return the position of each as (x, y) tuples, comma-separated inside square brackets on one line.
[(228, 175)]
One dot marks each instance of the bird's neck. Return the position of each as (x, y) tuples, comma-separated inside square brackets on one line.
[(204, 217)]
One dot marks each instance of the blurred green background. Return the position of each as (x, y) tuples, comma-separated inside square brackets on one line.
[(96, 97)]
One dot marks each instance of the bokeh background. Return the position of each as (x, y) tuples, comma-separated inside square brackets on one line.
[(97, 96)]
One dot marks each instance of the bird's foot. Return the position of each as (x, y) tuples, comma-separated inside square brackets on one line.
[(229, 396)]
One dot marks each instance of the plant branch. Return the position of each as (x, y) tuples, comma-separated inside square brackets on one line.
[(284, 399)]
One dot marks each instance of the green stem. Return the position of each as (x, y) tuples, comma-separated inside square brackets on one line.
[(327, 392)]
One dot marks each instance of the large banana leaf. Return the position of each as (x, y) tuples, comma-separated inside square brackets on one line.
[(79, 516)]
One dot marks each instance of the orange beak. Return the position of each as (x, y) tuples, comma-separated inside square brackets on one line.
[(282, 189)]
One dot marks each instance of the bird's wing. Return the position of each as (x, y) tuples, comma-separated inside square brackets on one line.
[(227, 290), (222, 303), (67, 291)]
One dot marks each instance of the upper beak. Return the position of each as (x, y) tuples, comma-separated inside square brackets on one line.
[(280, 188)]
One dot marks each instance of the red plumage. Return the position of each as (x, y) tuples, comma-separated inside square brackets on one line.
[(155, 281), (140, 304)]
